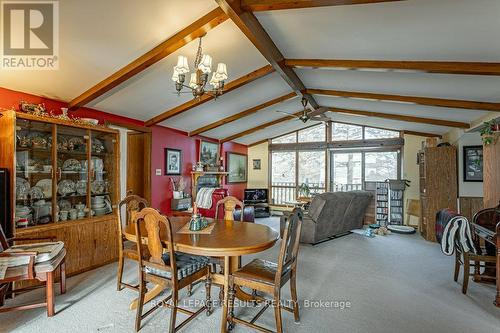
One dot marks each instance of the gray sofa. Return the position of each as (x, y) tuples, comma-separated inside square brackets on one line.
[(332, 214)]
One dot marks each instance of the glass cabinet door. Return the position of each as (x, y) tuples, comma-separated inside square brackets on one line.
[(103, 172), (34, 173), (72, 173)]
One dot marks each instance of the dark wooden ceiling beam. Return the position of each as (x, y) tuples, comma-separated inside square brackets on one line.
[(447, 103), (242, 114), (262, 5), (399, 117), (442, 67), (258, 143), (260, 127), (245, 79), (425, 134), (251, 27), (195, 30)]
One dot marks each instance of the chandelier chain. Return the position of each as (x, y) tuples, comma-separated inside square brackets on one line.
[(198, 54)]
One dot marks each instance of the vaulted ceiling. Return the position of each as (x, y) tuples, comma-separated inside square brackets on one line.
[(445, 59)]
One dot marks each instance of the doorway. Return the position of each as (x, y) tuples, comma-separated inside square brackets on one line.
[(138, 164)]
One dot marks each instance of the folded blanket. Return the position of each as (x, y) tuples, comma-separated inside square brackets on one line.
[(204, 197), (457, 231)]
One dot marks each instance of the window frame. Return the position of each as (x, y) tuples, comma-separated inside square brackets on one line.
[(329, 146)]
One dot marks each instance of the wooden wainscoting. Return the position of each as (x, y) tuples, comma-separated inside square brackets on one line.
[(470, 206)]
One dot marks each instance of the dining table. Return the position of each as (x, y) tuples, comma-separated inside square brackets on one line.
[(227, 239)]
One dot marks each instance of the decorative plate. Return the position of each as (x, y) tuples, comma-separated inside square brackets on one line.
[(64, 205), (81, 187), (62, 143), (97, 187), (66, 187), (72, 165), (38, 140), (46, 186), (76, 143), (22, 188), (97, 146), (36, 193)]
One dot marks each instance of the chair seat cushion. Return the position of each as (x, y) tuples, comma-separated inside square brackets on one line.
[(40, 268), (186, 265), (258, 270)]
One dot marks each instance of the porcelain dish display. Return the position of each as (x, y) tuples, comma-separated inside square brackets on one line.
[(72, 165), (36, 192), (22, 188), (66, 187), (46, 186)]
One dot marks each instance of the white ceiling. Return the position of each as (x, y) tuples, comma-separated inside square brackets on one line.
[(92, 47)]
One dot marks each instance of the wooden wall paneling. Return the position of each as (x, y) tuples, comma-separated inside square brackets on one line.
[(491, 173), (7, 151), (470, 206)]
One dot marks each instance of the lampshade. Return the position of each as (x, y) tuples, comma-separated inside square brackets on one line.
[(221, 71), (175, 75), (205, 64), (193, 83), (214, 81), (182, 65)]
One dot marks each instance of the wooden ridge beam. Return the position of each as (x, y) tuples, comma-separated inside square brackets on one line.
[(442, 67), (245, 79), (242, 114), (441, 102), (195, 30), (431, 135), (255, 32), (399, 117), (260, 127), (262, 5)]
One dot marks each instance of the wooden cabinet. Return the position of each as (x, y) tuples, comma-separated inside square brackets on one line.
[(64, 184), (438, 186), (491, 172)]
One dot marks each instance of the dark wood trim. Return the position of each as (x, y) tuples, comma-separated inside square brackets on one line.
[(441, 102), (245, 79), (396, 142), (242, 114), (406, 118), (132, 127), (442, 67), (172, 44), (255, 32), (258, 143), (430, 135), (264, 5)]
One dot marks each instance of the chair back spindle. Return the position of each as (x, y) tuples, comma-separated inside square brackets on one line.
[(230, 203), (155, 225), (290, 244)]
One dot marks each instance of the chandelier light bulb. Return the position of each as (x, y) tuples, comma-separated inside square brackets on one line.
[(175, 76), (214, 81), (205, 64)]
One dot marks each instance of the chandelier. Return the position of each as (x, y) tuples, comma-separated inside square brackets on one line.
[(199, 78)]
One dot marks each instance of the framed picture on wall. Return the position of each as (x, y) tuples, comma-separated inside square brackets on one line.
[(236, 168), (209, 153), (473, 163), (173, 161), (256, 164)]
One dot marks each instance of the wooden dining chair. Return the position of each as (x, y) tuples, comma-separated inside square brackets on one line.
[(35, 269), (230, 203), (156, 266), (127, 249), (269, 277)]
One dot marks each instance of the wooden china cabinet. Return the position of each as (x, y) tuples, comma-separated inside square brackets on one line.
[(64, 183)]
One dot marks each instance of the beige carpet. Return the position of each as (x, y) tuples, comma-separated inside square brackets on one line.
[(396, 283)]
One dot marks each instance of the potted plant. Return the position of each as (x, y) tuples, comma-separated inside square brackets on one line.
[(490, 132), (303, 190)]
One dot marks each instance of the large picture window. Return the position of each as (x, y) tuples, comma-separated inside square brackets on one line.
[(336, 164)]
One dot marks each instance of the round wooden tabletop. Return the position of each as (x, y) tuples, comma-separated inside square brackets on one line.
[(228, 238)]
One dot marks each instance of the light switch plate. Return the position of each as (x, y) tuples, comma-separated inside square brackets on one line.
[(158, 172)]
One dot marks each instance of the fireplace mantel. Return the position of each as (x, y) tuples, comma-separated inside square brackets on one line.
[(197, 174)]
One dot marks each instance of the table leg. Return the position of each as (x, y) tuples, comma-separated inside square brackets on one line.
[(223, 327), (157, 289)]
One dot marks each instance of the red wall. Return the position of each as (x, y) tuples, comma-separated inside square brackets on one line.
[(162, 137)]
